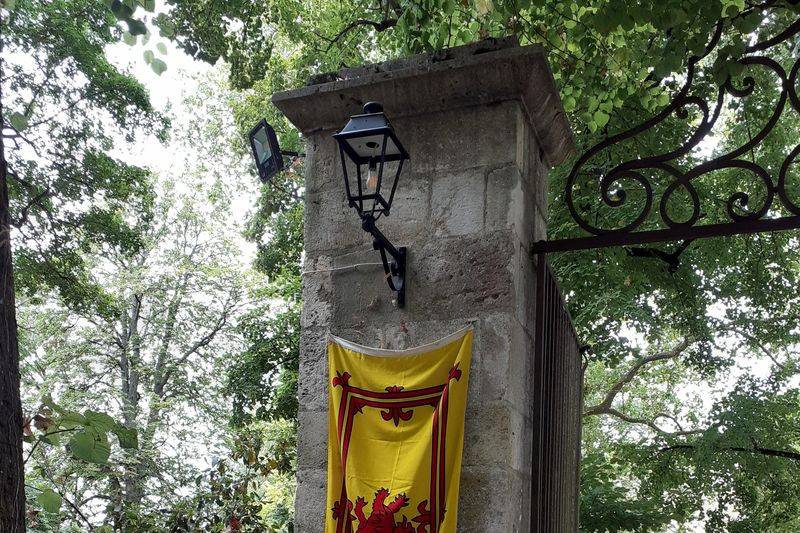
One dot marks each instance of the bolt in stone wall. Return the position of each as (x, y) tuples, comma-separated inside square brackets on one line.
[(482, 124)]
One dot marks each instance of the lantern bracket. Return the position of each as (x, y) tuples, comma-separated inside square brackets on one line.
[(396, 269)]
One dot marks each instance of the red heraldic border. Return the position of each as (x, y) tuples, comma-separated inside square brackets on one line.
[(395, 399)]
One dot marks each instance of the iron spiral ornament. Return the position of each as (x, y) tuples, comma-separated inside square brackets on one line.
[(631, 183)]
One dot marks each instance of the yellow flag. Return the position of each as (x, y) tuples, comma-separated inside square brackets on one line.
[(395, 436)]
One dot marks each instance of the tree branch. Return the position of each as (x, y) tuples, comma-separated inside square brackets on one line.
[(649, 423), (626, 378), (379, 26), (605, 407), (795, 456)]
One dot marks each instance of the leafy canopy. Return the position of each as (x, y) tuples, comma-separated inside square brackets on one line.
[(615, 62)]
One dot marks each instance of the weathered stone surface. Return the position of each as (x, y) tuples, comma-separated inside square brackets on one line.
[(309, 507), (313, 380), (312, 451), (470, 203), (476, 75), (488, 501)]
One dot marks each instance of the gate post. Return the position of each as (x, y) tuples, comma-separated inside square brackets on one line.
[(482, 123)]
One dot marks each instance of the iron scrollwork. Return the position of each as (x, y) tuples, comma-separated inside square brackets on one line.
[(740, 213)]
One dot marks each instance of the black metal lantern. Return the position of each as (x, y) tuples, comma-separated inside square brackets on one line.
[(369, 144), (266, 151)]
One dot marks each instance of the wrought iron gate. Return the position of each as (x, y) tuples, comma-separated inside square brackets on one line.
[(644, 184), (557, 404)]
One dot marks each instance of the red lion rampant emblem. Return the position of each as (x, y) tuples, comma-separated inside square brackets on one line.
[(381, 519)]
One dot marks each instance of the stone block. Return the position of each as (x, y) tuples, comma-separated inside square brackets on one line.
[(312, 441), (537, 177), (487, 500), (317, 294), (505, 200), (309, 502), (330, 224), (458, 202), (312, 385), (323, 170), (409, 220), (461, 277), (539, 225), (454, 139), (487, 439)]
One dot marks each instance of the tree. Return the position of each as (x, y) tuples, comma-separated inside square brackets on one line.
[(150, 363), (652, 330), (63, 191)]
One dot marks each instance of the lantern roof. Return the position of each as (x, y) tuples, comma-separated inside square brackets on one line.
[(364, 135)]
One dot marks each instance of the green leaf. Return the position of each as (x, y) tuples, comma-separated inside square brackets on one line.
[(162, 48), (18, 121), (81, 445), (121, 11), (148, 56), (101, 421), (8, 4), (102, 451), (601, 118), (149, 5), (136, 27), (128, 437), (51, 438), (158, 66), (49, 500), (70, 420), (749, 23), (128, 38), (90, 446), (165, 26)]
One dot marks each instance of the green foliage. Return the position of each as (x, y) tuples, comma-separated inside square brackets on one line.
[(253, 489), (615, 62), (607, 505), (87, 433), (49, 500), (65, 100), (262, 382)]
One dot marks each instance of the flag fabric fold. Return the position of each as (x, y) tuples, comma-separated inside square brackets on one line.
[(395, 436)]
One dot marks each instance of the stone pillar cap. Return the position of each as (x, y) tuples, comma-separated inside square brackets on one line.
[(481, 73)]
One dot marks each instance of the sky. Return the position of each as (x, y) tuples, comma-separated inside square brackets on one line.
[(167, 93)]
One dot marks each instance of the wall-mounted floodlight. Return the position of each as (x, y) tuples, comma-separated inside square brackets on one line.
[(266, 151)]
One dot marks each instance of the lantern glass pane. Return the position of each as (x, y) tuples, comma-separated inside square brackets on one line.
[(262, 146), (370, 146)]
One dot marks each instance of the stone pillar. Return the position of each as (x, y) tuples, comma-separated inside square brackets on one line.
[(483, 123)]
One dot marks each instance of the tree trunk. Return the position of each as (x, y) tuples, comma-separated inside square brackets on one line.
[(12, 476)]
